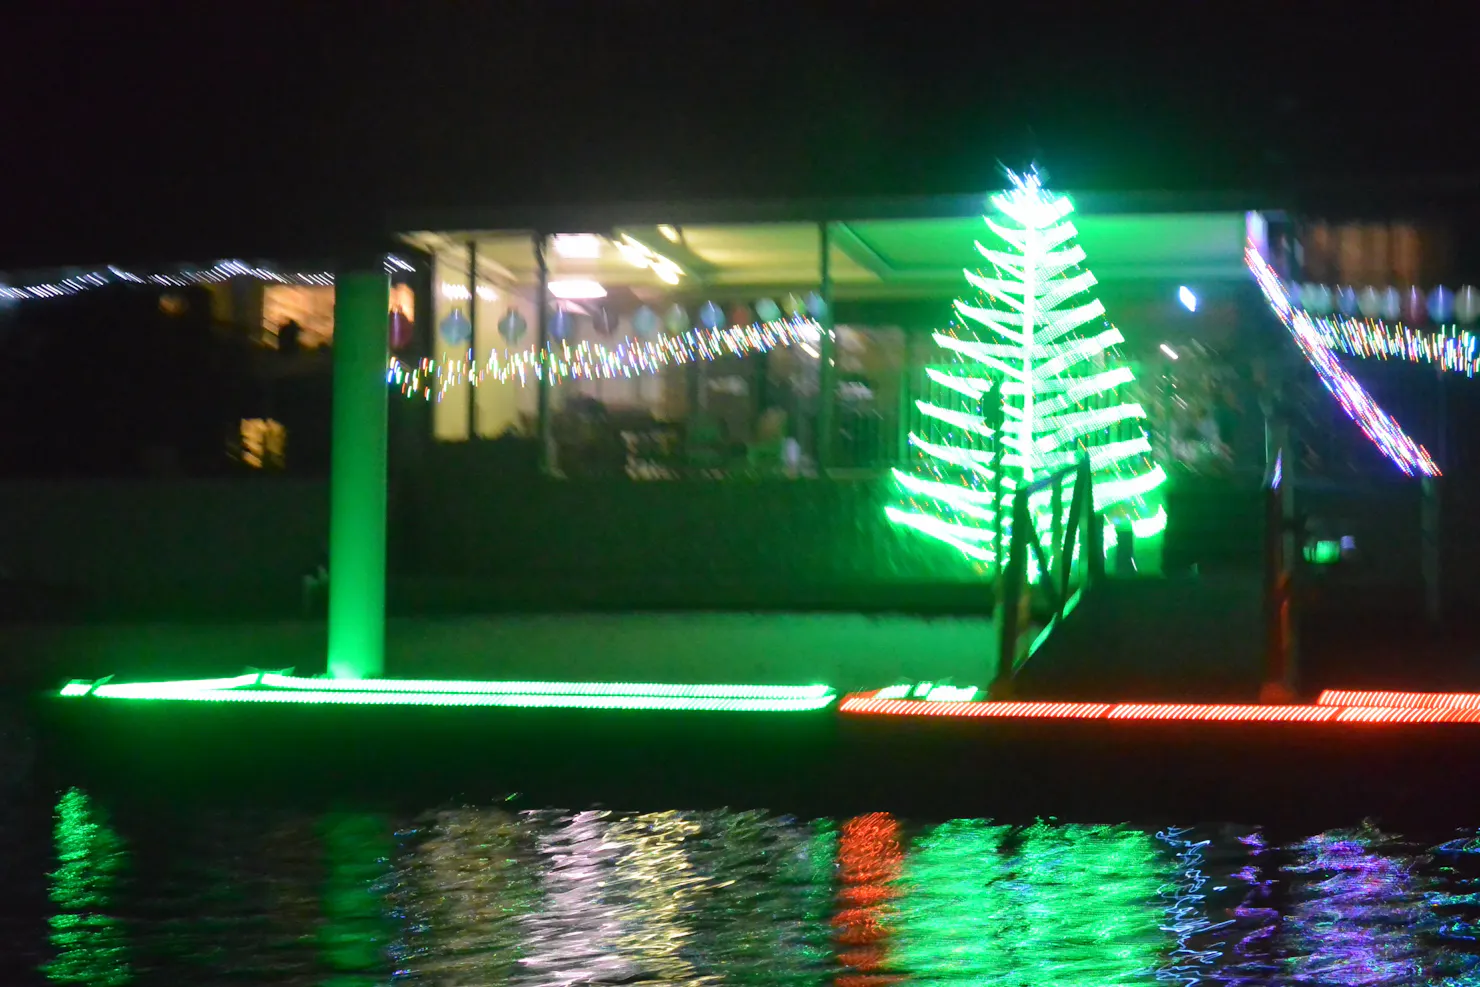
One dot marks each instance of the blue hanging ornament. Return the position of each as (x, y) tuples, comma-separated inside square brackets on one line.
[(677, 320), (560, 324), (455, 328), (1441, 304), (766, 310), (645, 323), (711, 316), (1346, 300), (816, 306)]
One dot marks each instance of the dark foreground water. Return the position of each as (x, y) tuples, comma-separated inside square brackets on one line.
[(481, 896)]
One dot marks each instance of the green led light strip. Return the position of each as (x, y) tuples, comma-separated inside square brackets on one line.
[(274, 687)]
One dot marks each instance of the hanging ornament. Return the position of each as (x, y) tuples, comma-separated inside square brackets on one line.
[(1467, 304), (740, 315), (766, 310), (560, 324), (677, 320), (1346, 300), (795, 306), (711, 316), (1369, 302), (456, 330), (1391, 308), (816, 306), (401, 329), (645, 323), (1415, 312), (1441, 304), (1317, 298), (512, 326)]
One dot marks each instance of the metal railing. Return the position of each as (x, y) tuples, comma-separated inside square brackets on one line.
[(1282, 545), (1063, 573)]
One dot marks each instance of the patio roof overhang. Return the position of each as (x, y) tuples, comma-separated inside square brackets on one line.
[(880, 248)]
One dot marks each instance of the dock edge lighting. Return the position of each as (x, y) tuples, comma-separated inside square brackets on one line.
[(1331, 707), (275, 687)]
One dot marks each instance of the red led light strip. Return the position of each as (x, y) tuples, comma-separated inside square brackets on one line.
[(867, 703), (1346, 697)]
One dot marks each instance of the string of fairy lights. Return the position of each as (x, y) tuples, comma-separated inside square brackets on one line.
[(431, 379), (1384, 431), (223, 270), (1447, 348)]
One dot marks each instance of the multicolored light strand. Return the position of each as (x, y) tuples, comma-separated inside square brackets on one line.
[(1384, 431), (585, 360), (1448, 348), (223, 270)]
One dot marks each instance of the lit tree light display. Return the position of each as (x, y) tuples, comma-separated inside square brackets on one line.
[(1038, 381)]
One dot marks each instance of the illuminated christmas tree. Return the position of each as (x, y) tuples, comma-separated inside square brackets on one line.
[(1037, 381)]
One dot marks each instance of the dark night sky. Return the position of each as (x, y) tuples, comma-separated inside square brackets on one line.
[(192, 131)]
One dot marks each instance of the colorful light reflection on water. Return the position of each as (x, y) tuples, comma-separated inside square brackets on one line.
[(491, 896)]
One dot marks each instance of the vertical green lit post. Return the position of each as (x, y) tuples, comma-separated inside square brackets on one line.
[(357, 487), (827, 350)]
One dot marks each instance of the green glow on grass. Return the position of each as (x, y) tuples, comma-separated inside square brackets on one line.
[(273, 687)]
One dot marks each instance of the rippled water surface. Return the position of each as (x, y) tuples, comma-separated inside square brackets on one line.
[(490, 896)]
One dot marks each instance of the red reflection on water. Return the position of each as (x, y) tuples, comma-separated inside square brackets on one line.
[(869, 861)]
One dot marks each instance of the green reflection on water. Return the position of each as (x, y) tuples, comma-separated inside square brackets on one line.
[(1063, 905), (90, 942), (355, 932)]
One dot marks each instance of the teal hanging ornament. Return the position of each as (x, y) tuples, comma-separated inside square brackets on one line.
[(1392, 304), (1369, 302), (1316, 298), (456, 329), (645, 323), (766, 310), (512, 326), (1467, 304), (816, 306)]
